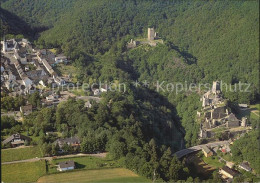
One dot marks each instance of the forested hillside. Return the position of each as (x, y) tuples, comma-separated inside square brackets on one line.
[(133, 127), (203, 41), (247, 148), (221, 36)]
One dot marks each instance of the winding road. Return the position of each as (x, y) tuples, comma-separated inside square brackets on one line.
[(189, 150)]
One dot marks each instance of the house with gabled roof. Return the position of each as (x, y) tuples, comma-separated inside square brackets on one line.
[(207, 152), (16, 140), (72, 141), (66, 165), (245, 166), (227, 172), (232, 121)]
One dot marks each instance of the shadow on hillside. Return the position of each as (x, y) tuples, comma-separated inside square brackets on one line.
[(188, 57), (13, 24)]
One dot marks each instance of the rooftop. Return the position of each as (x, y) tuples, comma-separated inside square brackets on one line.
[(206, 149), (66, 164), (230, 171)]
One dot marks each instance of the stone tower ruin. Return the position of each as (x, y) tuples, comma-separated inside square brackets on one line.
[(151, 34)]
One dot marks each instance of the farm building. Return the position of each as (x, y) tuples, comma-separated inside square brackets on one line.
[(66, 165), (228, 172), (207, 152), (16, 140), (72, 141), (245, 166)]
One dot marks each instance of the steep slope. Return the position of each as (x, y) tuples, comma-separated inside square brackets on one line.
[(222, 36), (38, 12)]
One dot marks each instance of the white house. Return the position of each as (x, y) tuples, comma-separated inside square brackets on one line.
[(52, 97), (42, 83), (96, 92), (8, 45), (245, 166), (60, 59), (27, 82), (66, 165), (2, 69), (48, 67), (59, 81), (104, 88), (88, 104)]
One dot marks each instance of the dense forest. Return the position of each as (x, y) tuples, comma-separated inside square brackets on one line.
[(243, 149), (203, 41), (136, 129), (220, 38)]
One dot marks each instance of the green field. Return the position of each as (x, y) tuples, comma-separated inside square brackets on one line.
[(256, 107), (64, 70), (102, 175), (87, 162), (20, 153), (23, 172), (213, 161)]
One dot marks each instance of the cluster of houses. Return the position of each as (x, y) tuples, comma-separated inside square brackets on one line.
[(215, 113), (17, 140), (23, 67), (227, 172)]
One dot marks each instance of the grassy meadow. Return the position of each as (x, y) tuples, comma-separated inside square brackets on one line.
[(102, 175), (213, 161), (20, 153), (23, 172), (87, 162)]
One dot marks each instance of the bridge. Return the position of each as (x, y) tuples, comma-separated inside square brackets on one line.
[(189, 150)]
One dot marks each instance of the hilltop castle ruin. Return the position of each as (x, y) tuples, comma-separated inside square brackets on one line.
[(215, 113), (151, 36)]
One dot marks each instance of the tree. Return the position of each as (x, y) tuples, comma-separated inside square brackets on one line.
[(46, 149), (55, 148)]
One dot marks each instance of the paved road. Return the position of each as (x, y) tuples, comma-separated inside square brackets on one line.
[(189, 150), (102, 155)]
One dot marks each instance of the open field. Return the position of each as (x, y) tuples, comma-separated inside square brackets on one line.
[(86, 162), (256, 107), (15, 154), (23, 172), (65, 70), (213, 161), (103, 175)]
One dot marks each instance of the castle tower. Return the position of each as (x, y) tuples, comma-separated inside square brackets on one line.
[(4, 45), (244, 122), (216, 87), (151, 34)]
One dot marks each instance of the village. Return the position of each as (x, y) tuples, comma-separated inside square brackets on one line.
[(218, 123), (26, 70)]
